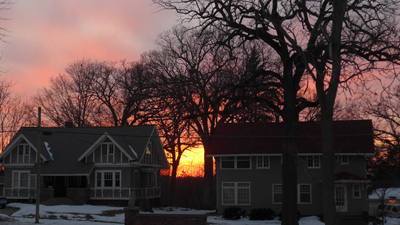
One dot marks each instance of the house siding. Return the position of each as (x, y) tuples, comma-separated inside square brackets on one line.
[(262, 181)]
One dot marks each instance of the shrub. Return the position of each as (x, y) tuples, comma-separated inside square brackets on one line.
[(262, 214), (233, 213)]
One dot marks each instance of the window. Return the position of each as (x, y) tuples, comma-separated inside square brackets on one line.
[(239, 162), (313, 161), (277, 193), (304, 193), (107, 152), (108, 179), (227, 162), (262, 162), (356, 191), (243, 162), (235, 193), (23, 153), (21, 179)]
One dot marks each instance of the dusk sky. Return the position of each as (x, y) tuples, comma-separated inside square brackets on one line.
[(46, 35)]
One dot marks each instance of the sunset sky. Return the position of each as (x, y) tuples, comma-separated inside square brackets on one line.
[(46, 35)]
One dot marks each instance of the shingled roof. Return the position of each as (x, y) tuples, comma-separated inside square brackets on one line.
[(68, 144), (351, 137)]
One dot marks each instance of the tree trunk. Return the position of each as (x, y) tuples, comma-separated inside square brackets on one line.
[(328, 169), (289, 154), (208, 176), (327, 101)]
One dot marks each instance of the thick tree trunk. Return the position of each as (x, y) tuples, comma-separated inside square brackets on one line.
[(328, 169), (289, 153), (208, 176)]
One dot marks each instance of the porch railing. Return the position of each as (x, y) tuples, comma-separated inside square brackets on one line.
[(124, 193), (20, 193)]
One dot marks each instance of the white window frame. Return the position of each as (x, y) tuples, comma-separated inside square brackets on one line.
[(236, 187), (26, 153), (264, 160), (110, 152), (235, 163), (299, 192), (357, 190), (280, 187), (19, 172), (102, 179), (314, 164)]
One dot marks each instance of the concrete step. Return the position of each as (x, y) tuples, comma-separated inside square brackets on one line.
[(60, 201)]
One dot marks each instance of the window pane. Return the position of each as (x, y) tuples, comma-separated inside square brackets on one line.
[(117, 179), (243, 162), (305, 193), (108, 179), (16, 179), (228, 196), (98, 180), (227, 162), (262, 161), (24, 179), (277, 191), (244, 196)]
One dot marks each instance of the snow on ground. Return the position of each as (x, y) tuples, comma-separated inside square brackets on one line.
[(387, 192), (106, 215)]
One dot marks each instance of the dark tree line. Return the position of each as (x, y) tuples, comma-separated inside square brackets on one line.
[(186, 87)]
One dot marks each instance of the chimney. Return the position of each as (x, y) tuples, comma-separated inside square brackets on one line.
[(69, 123)]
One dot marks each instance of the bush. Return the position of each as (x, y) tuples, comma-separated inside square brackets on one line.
[(262, 214), (233, 213)]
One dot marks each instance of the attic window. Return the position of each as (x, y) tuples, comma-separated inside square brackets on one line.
[(107, 150)]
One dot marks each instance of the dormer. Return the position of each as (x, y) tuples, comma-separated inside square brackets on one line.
[(20, 152), (106, 150)]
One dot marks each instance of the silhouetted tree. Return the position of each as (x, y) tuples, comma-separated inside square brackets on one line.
[(205, 81)]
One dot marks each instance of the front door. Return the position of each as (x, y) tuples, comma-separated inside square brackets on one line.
[(341, 198), (60, 187)]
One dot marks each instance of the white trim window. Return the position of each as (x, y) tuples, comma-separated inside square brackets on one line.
[(263, 162), (313, 161), (356, 191), (235, 162), (277, 193), (304, 194), (108, 179), (24, 151), (107, 152), (21, 179), (235, 193)]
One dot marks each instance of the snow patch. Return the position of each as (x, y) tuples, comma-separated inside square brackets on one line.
[(133, 151), (48, 150)]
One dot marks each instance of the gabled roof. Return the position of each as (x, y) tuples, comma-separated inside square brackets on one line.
[(351, 137), (68, 144)]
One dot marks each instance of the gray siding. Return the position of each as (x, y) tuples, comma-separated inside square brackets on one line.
[(261, 184)]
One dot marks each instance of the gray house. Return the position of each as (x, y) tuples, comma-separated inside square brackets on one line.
[(248, 166), (102, 164)]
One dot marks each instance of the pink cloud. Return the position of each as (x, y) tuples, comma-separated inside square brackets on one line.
[(47, 35)]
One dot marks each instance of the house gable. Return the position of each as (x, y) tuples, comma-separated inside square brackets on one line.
[(20, 151), (153, 153), (106, 150)]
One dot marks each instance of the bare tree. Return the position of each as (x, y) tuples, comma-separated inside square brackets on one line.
[(204, 81), (69, 97), (304, 33)]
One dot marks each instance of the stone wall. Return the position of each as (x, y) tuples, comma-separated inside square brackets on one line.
[(133, 217)]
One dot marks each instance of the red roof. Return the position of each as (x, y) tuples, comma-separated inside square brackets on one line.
[(348, 176), (355, 136)]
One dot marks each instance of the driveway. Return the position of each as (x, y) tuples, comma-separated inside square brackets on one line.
[(8, 210)]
